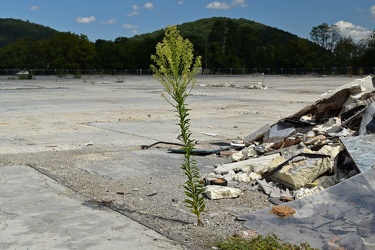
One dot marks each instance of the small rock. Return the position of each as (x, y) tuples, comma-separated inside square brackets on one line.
[(236, 157), (254, 176), (220, 192), (231, 176), (267, 188), (247, 235), (242, 177)]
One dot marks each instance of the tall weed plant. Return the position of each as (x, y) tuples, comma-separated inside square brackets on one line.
[(174, 67)]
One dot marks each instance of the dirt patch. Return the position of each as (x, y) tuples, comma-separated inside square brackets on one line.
[(282, 211)]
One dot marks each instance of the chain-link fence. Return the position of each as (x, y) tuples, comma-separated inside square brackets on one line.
[(216, 71)]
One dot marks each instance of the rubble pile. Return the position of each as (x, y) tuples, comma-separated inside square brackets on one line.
[(306, 152), (258, 85)]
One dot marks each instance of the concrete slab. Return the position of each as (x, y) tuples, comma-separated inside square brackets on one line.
[(46, 123), (38, 213)]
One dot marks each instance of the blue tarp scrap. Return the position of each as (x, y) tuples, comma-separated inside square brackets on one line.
[(342, 215)]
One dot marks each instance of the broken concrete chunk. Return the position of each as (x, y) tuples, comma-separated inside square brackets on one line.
[(302, 192), (242, 177), (260, 169), (275, 192), (246, 169), (333, 125), (332, 150), (249, 152), (266, 187), (237, 166), (230, 176), (254, 176), (260, 149), (327, 181), (296, 174), (285, 195), (220, 192), (238, 156), (245, 153), (317, 140)]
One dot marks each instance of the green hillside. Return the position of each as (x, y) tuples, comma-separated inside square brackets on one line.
[(13, 29), (226, 45)]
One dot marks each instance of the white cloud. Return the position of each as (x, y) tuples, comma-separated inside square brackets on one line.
[(354, 31), (89, 19), (372, 10), (134, 13), (149, 6), (129, 26), (34, 8), (146, 6), (132, 27), (110, 21), (180, 2), (218, 5), (239, 3), (224, 6)]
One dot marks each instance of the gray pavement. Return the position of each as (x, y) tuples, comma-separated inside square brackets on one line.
[(38, 213), (50, 115)]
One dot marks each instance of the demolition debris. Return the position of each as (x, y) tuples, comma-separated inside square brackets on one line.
[(309, 151), (326, 149)]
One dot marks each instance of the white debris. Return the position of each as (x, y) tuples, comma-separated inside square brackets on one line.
[(297, 174), (259, 162), (238, 156), (219, 192)]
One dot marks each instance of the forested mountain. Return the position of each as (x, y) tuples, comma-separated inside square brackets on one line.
[(237, 45), (13, 29)]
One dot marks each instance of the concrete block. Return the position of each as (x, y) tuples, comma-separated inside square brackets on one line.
[(236, 166), (242, 177), (267, 187), (254, 176), (230, 176), (236, 157), (304, 170), (249, 152), (220, 192)]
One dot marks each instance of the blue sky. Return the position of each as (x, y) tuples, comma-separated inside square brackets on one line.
[(109, 19)]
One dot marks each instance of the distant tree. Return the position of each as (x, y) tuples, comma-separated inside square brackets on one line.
[(19, 54), (71, 51), (325, 35), (367, 48), (345, 53), (216, 44), (109, 54), (249, 41)]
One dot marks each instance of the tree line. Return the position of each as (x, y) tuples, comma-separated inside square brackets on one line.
[(221, 42)]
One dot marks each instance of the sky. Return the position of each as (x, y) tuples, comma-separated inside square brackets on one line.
[(110, 19)]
